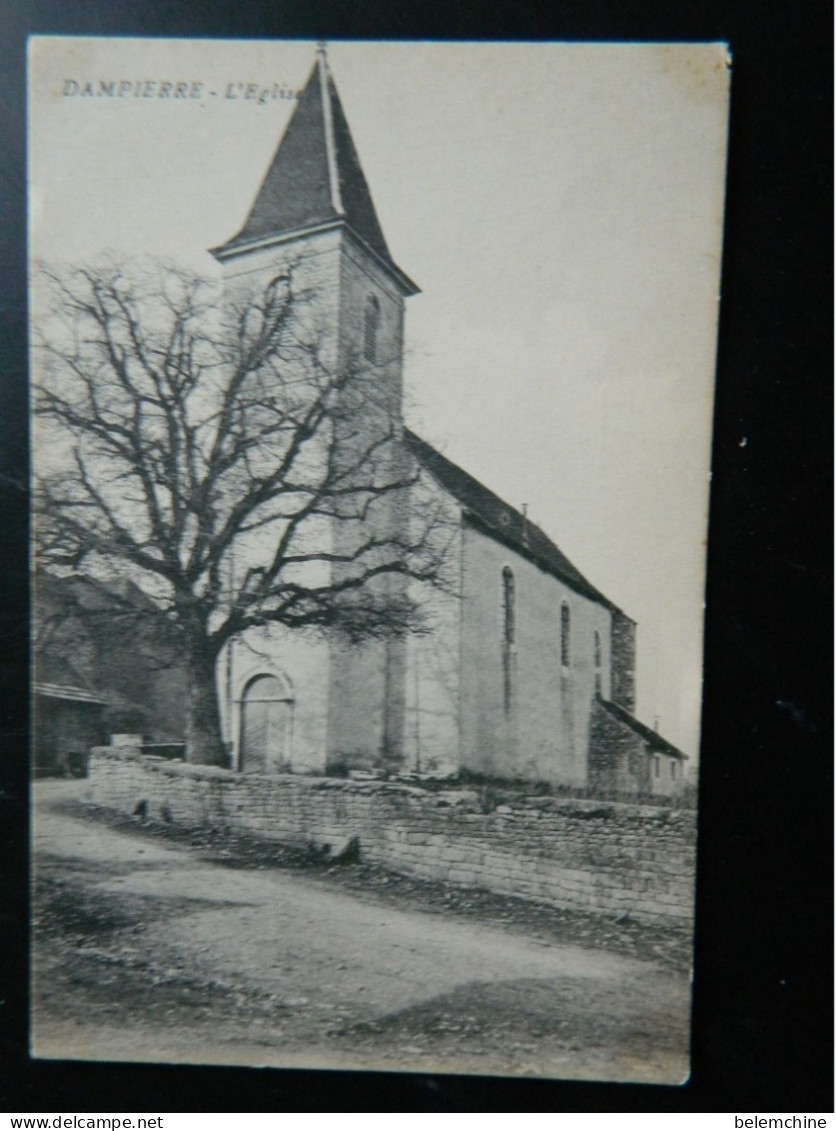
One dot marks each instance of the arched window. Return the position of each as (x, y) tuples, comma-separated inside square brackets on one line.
[(277, 292), (597, 657), (371, 325), (565, 636), (508, 634)]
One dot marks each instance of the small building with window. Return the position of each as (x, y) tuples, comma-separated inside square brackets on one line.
[(628, 757), (68, 719)]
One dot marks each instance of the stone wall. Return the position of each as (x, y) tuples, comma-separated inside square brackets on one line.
[(582, 855)]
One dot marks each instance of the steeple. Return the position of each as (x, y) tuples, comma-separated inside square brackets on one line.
[(315, 181)]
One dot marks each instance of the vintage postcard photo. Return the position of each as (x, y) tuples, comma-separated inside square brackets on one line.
[(372, 388)]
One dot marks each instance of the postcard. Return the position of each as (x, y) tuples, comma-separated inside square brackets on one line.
[(372, 389)]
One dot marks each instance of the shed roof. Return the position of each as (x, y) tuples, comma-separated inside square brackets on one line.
[(653, 739), (56, 678), (64, 691)]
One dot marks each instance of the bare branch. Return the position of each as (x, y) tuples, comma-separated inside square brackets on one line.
[(213, 448)]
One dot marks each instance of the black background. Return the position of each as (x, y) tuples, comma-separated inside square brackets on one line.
[(762, 1035)]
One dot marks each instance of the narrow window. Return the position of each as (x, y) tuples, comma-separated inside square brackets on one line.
[(597, 656), (657, 762), (673, 768), (370, 335), (508, 634), (508, 610), (565, 635)]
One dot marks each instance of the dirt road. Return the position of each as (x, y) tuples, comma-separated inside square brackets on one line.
[(146, 951)]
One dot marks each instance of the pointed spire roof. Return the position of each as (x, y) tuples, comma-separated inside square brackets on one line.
[(315, 179)]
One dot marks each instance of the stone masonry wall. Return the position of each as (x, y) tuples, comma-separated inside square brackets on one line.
[(581, 855), (544, 734)]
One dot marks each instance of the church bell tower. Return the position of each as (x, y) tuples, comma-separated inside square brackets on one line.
[(313, 213), (314, 210)]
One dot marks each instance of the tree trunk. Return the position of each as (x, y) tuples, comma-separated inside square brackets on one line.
[(204, 742)]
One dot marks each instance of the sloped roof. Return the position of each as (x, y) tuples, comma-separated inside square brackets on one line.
[(315, 178), (502, 521), (651, 737), (56, 678), (90, 593)]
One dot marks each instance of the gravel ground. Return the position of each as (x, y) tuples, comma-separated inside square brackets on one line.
[(153, 943)]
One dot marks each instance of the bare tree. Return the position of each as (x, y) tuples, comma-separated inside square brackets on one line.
[(223, 454)]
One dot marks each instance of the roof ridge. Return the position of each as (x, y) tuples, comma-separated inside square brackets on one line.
[(504, 521), (461, 471), (330, 143)]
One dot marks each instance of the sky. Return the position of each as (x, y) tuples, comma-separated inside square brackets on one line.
[(559, 205)]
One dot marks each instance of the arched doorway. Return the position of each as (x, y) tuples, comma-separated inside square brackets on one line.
[(266, 721)]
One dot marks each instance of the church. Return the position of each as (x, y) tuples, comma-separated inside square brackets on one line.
[(528, 672)]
